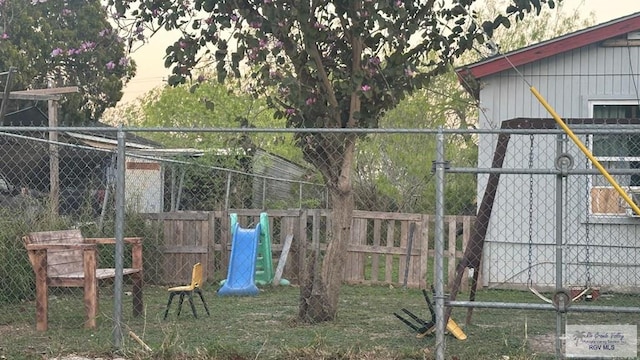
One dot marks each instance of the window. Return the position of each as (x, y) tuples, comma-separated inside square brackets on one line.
[(615, 151)]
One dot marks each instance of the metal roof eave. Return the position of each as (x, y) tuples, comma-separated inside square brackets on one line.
[(548, 48)]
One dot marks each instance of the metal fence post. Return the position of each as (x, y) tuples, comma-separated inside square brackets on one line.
[(439, 245), (559, 240), (119, 235)]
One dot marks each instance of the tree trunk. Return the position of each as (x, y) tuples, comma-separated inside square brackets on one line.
[(320, 287)]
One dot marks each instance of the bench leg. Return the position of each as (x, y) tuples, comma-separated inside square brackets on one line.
[(42, 300), (137, 294), (90, 289)]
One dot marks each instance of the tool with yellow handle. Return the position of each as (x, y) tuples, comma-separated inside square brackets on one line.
[(586, 151)]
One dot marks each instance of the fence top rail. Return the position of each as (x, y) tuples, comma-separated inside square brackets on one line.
[(357, 214)]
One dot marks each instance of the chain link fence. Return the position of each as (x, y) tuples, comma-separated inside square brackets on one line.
[(524, 217)]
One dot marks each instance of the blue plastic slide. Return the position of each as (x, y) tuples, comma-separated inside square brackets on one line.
[(242, 264)]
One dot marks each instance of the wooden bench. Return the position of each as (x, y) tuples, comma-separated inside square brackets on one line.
[(67, 259)]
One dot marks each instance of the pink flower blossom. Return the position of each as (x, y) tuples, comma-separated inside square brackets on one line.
[(374, 60), (274, 74), (56, 52), (124, 61), (310, 101), (365, 87), (110, 65), (283, 91), (4, 36), (255, 24), (409, 73), (87, 45), (290, 111), (104, 32), (252, 54), (66, 12)]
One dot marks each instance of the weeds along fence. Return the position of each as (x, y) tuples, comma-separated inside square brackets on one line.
[(385, 248)]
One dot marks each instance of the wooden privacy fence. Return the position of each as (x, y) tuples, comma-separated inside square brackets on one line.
[(385, 248)]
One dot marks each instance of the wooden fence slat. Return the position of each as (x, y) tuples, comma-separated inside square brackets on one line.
[(385, 215), (375, 261), (388, 266), (204, 237), (402, 259), (451, 253), (184, 249), (168, 272), (414, 269), (353, 258), (211, 263), (424, 252), (464, 283)]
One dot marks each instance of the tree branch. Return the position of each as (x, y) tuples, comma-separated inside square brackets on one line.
[(322, 74)]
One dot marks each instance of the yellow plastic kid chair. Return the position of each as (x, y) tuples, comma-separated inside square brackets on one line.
[(196, 282)]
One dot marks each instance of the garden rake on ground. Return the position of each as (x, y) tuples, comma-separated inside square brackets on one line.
[(423, 327)]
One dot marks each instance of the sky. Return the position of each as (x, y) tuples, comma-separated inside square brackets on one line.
[(151, 72)]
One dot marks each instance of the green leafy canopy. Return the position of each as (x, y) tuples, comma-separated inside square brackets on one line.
[(310, 56), (65, 43)]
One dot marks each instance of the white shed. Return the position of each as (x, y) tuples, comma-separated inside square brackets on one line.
[(589, 76), (144, 176)]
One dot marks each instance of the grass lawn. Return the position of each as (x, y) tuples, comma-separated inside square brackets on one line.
[(265, 327)]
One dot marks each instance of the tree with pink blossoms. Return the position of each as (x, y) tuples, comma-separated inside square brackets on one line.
[(64, 43), (322, 64)]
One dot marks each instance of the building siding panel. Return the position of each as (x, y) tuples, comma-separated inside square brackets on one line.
[(568, 82)]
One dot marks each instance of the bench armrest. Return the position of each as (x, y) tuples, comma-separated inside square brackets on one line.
[(136, 250), (59, 246), (130, 240)]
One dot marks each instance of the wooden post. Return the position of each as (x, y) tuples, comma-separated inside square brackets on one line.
[(54, 159), (42, 300), (90, 287), (138, 278)]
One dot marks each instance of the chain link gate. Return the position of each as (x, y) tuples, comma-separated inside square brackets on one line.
[(556, 230)]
